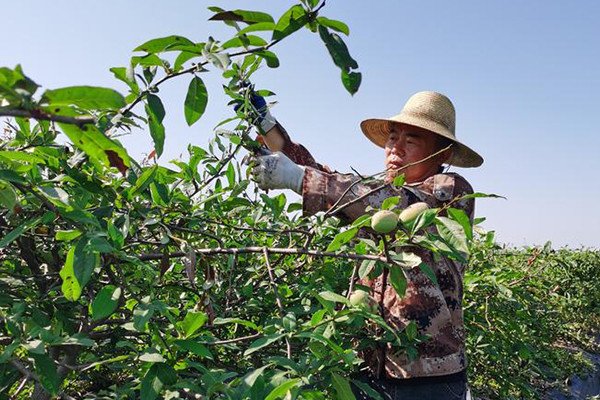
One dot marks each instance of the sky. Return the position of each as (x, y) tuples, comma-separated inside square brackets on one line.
[(524, 78)]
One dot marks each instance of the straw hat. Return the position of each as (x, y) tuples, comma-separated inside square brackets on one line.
[(428, 110)]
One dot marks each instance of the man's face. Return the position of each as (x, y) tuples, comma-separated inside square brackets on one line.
[(406, 145)]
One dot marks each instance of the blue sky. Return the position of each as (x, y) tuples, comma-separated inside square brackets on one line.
[(524, 77)]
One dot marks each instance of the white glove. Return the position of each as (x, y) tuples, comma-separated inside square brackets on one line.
[(276, 171), (267, 122)]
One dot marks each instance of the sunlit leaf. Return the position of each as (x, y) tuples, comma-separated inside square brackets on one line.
[(163, 44), (87, 97), (96, 145), (195, 101), (334, 24), (292, 20)]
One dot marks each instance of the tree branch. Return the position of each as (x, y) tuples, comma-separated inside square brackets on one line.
[(274, 250), (43, 116)]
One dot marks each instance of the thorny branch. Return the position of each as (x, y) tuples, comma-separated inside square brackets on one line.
[(274, 250)]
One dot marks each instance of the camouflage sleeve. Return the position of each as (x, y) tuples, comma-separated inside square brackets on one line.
[(442, 189), (322, 190), (298, 153)]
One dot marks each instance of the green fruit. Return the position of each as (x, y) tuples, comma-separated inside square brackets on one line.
[(384, 221), (361, 299), (411, 212)]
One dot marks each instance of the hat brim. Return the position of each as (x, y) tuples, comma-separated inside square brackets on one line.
[(378, 130)]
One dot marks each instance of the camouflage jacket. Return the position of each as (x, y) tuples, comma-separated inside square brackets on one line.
[(437, 310)]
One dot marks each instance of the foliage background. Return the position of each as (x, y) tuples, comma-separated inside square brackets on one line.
[(114, 284)]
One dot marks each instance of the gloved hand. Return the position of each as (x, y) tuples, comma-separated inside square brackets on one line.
[(265, 120), (276, 171)]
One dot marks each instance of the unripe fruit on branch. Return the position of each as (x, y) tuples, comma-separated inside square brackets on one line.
[(384, 221), (411, 212), (361, 299)]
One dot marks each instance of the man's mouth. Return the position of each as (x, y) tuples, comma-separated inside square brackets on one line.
[(395, 163)]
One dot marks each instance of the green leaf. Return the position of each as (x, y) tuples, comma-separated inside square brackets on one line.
[(269, 57), (250, 17), (334, 24), (87, 97), (192, 322), (195, 101), (337, 49), (261, 26), (219, 60), (398, 280), (363, 220), (282, 390), (194, 347), (262, 342), (182, 58), (411, 330), (461, 217), (399, 180), (67, 236), (292, 20), (342, 387), (121, 74), (426, 269), (15, 233), (330, 296), (151, 385), (21, 156), (11, 176), (8, 196), (57, 195), (341, 239), (453, 234), (77, 270), (142, 314), (289, 321), (390, 203), (423, 220), (250, 378), (152, 357), (106, 302), (156, 113), (144, 180), (97, 146), (365, 268), (164, 44), (406, 260), (47, 373), (352, 81), (244, 41)]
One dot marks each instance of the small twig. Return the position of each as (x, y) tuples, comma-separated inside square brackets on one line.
[(352, 280), (24, 371), (277, 298), (15, 395), (198, 231), (216, 174), (235, 340)]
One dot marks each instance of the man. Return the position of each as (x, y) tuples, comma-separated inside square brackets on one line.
[(416, 142)]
